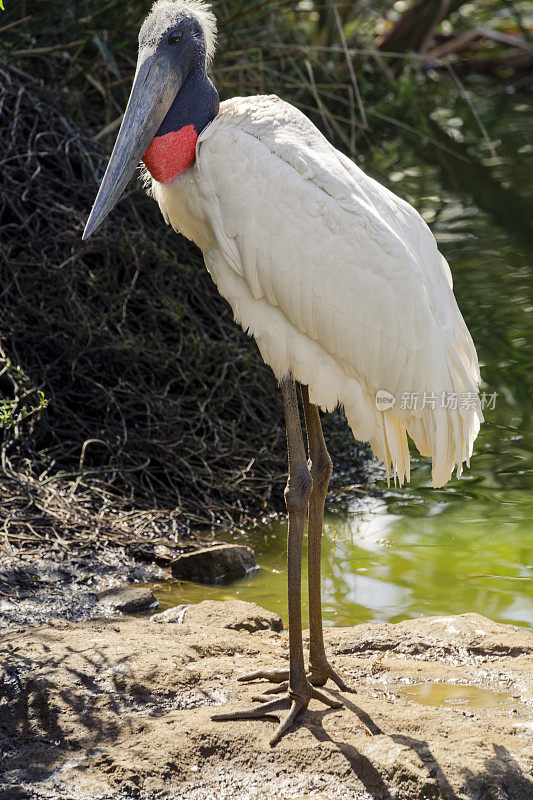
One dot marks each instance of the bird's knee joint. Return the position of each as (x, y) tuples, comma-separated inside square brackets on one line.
[(298, 489), (321, 470)]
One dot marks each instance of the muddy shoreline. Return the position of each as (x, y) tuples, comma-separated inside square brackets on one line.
[(120, 708), (97, 704), (36, 588), (79, 583)]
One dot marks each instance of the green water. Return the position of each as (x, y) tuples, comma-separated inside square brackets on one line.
[(469, 546)]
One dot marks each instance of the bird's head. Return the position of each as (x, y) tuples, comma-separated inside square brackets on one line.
[(176, 40)]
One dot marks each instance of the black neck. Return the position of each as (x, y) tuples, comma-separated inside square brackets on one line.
[(196, 104)]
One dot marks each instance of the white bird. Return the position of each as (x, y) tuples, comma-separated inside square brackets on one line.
[(339, 281)]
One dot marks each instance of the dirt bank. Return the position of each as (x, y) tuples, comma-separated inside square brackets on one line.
[(121, 708)]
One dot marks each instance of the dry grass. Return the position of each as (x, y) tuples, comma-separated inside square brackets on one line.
[(155, 398)]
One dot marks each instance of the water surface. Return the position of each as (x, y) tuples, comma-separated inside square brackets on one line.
[(453, 695)]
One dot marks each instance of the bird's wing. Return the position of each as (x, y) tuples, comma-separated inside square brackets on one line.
[(350, 267)]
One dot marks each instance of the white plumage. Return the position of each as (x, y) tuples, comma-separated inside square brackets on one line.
[(338, 279)]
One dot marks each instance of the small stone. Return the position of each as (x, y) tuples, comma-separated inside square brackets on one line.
[(129, 599), (234, 614), (173, 615), (311, 797), (213, 563)]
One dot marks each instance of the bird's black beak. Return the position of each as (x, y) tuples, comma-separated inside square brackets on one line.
[(155, 86)]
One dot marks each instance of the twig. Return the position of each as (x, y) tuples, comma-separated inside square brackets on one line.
[(350, 67), (481, 125)]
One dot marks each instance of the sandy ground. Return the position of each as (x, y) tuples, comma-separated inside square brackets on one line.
[(121, 708)]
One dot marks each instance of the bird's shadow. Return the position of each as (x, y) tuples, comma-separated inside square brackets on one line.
[(366, 720), (361, 766)]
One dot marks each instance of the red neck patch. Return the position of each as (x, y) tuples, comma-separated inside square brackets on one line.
[(169, 155)]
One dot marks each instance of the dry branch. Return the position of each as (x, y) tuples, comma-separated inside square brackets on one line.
[(156, 398)]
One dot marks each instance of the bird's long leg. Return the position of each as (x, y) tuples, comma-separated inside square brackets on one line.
[(320, 466), (297, 491)]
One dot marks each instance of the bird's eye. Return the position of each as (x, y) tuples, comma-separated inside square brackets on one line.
[(175, 37)]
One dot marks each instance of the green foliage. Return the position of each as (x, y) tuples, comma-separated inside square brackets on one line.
[(291, 48), (19, 400), (12, 415)]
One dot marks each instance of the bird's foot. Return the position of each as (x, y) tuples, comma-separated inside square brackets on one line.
[(293, 702), (318, 674), (279, 677)]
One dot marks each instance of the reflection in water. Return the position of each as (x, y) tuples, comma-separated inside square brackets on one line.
[(467, 547), (387, 566)]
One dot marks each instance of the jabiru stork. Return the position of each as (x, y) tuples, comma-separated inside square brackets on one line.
[(339, 281)]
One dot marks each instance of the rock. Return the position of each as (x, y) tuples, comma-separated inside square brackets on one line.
[(460, 636), (160, 554), (214, 563), (172, 615), (234, 614), (128, 599), (311, 797)]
